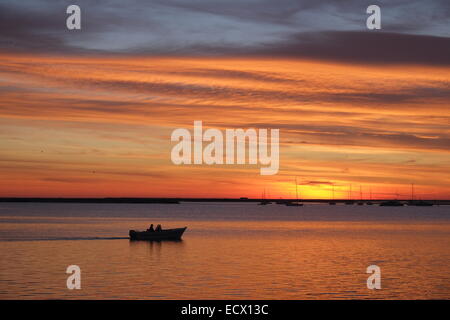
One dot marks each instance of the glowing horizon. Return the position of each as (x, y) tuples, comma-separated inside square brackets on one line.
[(100, 126)]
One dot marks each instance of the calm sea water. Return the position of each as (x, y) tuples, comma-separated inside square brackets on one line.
[(230, 251)]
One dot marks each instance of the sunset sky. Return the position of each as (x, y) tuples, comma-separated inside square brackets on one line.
[(89, 113)]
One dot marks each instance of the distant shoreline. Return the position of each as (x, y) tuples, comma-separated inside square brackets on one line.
[(178, 200)]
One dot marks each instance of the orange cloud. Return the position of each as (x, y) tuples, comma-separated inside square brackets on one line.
[(100, 126)]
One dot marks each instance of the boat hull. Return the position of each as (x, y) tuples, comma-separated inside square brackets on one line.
[(168, 234), (294, 204), (392, 203)]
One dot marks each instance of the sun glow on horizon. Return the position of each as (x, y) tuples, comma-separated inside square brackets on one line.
[(75, 127)]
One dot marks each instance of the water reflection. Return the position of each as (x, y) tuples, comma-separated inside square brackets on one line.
[(229, 258), (155, 249), (155, 244)]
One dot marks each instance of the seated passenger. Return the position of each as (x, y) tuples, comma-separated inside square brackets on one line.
[(158, 228), (151, 228)]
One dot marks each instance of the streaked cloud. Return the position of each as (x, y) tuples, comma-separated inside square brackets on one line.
[(96, 125), (90, 113)]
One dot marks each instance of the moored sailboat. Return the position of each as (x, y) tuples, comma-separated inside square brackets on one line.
[(296, 203)]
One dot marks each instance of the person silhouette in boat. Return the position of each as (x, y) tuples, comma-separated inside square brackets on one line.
[(151, 228), (158, 228)]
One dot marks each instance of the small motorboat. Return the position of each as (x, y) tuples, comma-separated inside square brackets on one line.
[(165, 234)]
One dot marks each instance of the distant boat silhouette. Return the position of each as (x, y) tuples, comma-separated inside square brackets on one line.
[(264, 202), (420, 203), (167, 234), (294, 204), (349, 202), (360, 203), (332, 203), (297, 203), (369, 203), (391, 203)]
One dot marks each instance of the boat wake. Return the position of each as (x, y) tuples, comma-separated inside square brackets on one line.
[(65, 239)]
